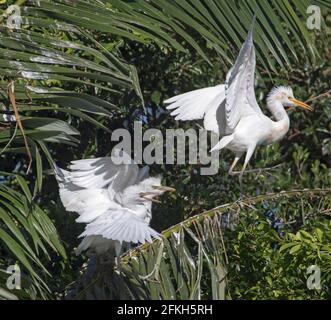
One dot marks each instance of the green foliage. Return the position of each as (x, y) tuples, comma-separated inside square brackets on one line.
[(217, 22), (27, 234), (277, 267)]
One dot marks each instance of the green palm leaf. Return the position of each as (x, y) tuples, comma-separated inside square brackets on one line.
[(223, 25), (26, 231)]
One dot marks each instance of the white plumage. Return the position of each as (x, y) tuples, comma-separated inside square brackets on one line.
[(114, 200), (231, 110)]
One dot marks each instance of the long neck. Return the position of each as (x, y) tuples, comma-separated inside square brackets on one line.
[(282, 122), (276, 108)]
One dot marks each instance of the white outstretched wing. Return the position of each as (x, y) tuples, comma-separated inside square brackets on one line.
[(195, 104), (91, 185), (121, 224), (240, 98), (104, 172), (88, 203)]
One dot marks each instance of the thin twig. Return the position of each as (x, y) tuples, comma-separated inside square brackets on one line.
[(10, 141), (259, 170), (319, 96), (12, 99), (326, 211)]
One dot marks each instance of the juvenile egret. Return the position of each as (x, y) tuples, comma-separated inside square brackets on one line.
[(231, 109), (114, 200)]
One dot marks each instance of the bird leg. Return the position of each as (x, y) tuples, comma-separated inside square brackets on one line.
[(117, 262), (241, 178), (231, 172), (249, 154)]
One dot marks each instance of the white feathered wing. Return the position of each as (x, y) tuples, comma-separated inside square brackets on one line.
[(90, 189), (222, 106)]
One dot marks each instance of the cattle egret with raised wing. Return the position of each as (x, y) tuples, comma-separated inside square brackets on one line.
[(231, 109), (113, 197)]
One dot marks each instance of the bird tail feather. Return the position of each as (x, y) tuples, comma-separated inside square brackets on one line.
[(222, 143)]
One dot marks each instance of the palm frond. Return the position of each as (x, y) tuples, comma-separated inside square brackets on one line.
[(223, 25), (191, 260), (27, 233)]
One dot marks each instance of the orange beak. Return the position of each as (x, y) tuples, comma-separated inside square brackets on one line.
[(301, 104)]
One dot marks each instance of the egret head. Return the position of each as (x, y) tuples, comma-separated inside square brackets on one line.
[(285, 96), (151, 189)]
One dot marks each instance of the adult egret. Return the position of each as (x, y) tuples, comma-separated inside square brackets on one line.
[(231, 109), (114, 200)]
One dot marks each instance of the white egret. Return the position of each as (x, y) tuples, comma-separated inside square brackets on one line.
[(114, 200), (231, 109)]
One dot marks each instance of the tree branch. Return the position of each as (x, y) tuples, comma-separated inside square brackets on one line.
[(12, 99)]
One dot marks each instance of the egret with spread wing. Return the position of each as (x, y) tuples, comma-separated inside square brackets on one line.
[(113, 197), (231, 109)]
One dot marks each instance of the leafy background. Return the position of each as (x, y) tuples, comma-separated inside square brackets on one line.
[(84, 68)]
